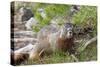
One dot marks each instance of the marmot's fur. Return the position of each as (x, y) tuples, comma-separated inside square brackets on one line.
[(49, 41)]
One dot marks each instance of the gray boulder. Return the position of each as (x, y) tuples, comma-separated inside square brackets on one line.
[(32, 21), (42, 13), (25, 13)]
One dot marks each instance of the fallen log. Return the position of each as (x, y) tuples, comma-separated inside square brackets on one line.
[(27, 49), (23, 39), (84, 45), (24, 34), (22, 54), (18, 43)]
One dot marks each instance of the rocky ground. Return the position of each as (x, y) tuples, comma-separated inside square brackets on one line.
[(20, 35)]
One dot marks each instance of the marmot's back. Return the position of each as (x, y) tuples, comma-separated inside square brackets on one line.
[(45, 31)]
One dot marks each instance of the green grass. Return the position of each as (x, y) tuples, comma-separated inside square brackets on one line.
[(89, 54), (56, 57)]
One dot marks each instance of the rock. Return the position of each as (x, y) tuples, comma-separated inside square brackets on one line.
[(32, 21), (19, 25), (25, 49), (26, 13), (42, 13)]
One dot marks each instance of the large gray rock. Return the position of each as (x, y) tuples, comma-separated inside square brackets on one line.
[(32, 21), (23, 14), (26, 13), (42, 13)]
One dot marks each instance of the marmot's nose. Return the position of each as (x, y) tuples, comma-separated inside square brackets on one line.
[(70, 32)]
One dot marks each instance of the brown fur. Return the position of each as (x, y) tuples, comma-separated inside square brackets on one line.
[(65, 44)]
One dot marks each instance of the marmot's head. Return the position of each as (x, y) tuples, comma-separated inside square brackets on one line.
[(67, 30)]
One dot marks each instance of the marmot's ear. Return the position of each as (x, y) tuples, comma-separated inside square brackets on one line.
[(67, 25)]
